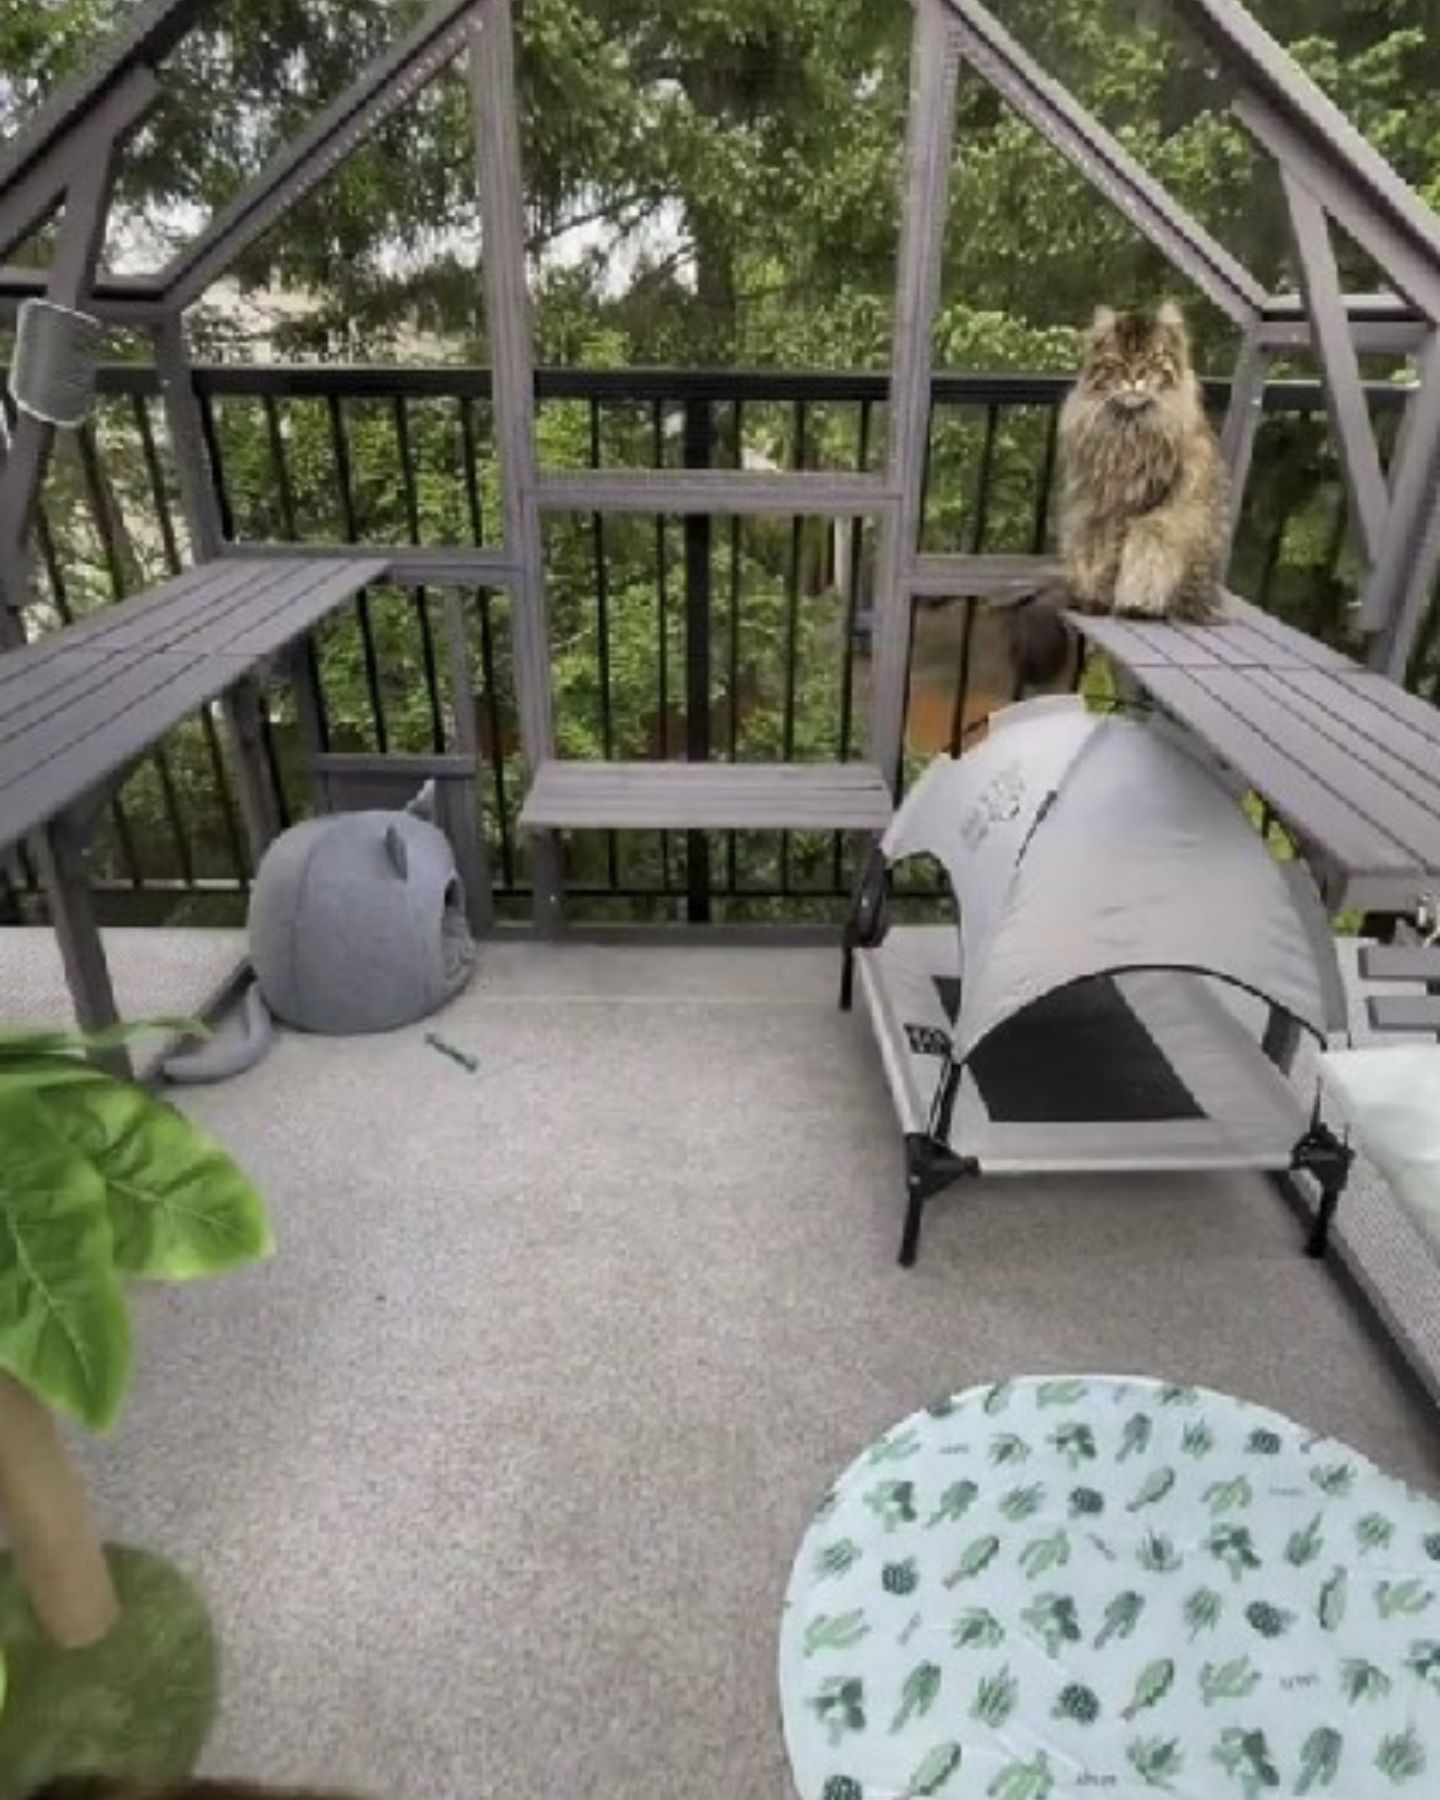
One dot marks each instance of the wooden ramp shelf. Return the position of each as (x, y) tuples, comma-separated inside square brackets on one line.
[(707, 796)]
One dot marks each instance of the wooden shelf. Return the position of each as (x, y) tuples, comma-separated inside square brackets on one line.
[(707, 796)]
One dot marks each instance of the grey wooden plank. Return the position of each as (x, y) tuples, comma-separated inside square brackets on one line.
[(63, 737), (239, 609), (942, 577), (708, 796), (1142, 645), (924, 205), (1400, 962), (1407, 709), (1404, 1012), (407, 564), (151, 619), (1325, 819), (1311, 735), (1293, 649), (1374, 735), (806, 494)]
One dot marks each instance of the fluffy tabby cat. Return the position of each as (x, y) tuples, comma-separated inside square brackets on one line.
[(1142, 518)]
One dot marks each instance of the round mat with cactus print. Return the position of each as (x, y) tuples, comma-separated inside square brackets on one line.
[(1058, 1587)]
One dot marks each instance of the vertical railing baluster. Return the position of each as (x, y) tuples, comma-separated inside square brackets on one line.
[(1044, 497), (732, 840), (662, 621), (219, 484), (699, 453), (602, 638), (984, 476), (792, 629), (852, 609), (469, 452), (340, 452), (419, 597)]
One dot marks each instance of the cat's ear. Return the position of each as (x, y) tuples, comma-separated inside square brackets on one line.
[(1170, 317), (1105, 320)]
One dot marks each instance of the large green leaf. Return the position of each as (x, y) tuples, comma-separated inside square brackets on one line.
[(64, 1329), (179, 1207)]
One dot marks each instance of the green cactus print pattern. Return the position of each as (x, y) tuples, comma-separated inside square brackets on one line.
[(1064, 1586)]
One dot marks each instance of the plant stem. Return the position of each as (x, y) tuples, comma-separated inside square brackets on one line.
[(43, 1507)]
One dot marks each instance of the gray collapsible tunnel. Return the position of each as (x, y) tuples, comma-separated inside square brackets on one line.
[(1131, 966)]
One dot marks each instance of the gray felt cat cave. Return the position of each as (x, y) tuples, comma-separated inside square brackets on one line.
[(1131, 965), (357, 924)]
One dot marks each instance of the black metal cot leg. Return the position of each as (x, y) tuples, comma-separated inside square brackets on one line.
[(1319, 1240), (1325, 1156), (929, 1169)]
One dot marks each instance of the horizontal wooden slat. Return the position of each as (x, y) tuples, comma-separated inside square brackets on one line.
[(1404, 1012), (1244, 638), (708, 796), (406, 564), (720, 491), (941, 577), (1400, 962)]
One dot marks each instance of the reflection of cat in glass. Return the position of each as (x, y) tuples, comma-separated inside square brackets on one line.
[(1142, 516)]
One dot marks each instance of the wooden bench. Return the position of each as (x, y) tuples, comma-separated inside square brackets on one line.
[(1348, 761), (77, 709)]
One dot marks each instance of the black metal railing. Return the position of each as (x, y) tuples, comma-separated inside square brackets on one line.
[(695, 637)]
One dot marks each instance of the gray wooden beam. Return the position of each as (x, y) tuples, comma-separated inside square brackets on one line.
[(929, 145), (469, 817), (34, 190), (1342, 161), (1349, 412), (407, 565), (936, 577), (386, 84), (1399, 590), (1104, 162), (493, 98), (1412, 266), (722, 491), (1242, 425), (150, 30)]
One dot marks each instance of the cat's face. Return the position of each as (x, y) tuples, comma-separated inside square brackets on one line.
[(1135, 361)]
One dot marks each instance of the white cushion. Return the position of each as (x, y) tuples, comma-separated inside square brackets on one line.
[(1390, 1097)]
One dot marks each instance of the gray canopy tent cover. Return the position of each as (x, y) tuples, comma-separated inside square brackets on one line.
[(1130, 966)]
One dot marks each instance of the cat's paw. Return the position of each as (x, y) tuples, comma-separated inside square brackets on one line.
[(1140, 600)]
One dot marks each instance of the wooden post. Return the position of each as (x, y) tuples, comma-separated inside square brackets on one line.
[(512, 363), (934, 63), (58, 1554), (1242, 425)]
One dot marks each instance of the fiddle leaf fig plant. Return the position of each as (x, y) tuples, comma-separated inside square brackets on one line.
[(101, 1182)]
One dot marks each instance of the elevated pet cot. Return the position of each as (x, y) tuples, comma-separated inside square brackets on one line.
[(1129, 977)]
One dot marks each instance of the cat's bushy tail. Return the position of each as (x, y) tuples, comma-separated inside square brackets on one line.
[(1042, 641)]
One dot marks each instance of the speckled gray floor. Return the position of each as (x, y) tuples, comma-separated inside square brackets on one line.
[(496, 1474)]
